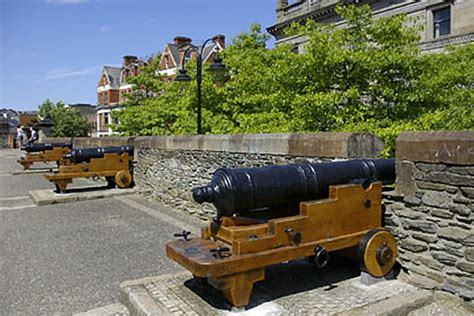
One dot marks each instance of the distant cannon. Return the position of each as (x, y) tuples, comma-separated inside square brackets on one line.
[(274, 214), (44, 152), (37, 147), (113, 163), (86, 154)]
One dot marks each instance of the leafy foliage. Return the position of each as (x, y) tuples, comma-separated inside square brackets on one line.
[(368, 76), (68, 122)]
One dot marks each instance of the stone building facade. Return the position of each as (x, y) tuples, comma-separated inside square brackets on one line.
[(444, 22)]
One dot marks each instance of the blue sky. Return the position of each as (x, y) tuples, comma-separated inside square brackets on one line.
[(55, 48)]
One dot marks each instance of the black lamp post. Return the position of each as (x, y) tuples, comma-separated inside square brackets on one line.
[(183, 76)]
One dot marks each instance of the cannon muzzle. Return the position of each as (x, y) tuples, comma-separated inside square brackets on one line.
[(237, 191), (86, 154)]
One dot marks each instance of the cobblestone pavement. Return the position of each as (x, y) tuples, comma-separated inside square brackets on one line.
[(69, 258), (296, 288)]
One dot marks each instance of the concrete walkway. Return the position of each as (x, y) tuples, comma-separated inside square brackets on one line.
[(69, 258)]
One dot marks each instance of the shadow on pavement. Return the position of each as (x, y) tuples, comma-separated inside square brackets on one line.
[(285, 279)]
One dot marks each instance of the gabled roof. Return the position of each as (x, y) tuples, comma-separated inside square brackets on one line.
[(175, 50), (113, 74)]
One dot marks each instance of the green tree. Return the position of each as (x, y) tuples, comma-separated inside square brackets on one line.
[(68, 122), (367, 76)]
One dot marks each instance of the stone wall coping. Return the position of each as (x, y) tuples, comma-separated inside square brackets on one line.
[(84, 142), (343, 145), (102, 141), (450, 147)]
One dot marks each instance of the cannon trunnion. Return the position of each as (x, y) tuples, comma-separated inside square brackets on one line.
[(44, 152), (113, 163), (338, 206)]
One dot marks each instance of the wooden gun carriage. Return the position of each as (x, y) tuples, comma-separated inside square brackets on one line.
[(275, 214), (113, 163), (44, 152)]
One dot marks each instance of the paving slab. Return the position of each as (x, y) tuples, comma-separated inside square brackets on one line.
[(48, 197), (294, 288)]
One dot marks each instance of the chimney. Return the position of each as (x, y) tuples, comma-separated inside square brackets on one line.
[(128, 60), (181, 40), (281, 4), (219, 39)]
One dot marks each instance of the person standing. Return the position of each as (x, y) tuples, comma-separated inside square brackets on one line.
[(33, 137), (20, 135)]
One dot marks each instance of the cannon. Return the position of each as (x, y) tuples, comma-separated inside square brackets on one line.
[(112, 163), (44, 152), (275, 214)]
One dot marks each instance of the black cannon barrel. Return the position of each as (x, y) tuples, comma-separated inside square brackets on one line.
[(86, 154), (233, 191), (32, 147)]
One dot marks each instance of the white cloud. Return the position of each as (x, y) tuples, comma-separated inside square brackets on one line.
[(66, 1), (104, 28), (60, 73)]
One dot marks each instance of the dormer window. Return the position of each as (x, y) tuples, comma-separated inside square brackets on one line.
[(167, 61), (442, 22)]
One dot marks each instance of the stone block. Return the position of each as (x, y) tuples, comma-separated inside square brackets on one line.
[(460, 209), (405, 183), (460, 224), (469, 254), (437, 199), (445, 258), (430, 262), (429, 167), (423, 282), (465, 266), (459, 198), (425, 237), (412, 200), (464, 170), (454, 147), (422, 226), (450, 179), (435, 186), (413, 245), (441, 213), (454, 234), (408, 213), (468, 192)]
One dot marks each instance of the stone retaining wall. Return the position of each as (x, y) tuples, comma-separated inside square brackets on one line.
[(85, 142), (169, 167), (431, 213)]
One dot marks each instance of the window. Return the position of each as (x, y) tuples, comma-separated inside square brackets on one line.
[(441, 22), (167, 62)]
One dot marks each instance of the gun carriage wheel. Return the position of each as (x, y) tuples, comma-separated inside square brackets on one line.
[(123, 179), (377, 252)]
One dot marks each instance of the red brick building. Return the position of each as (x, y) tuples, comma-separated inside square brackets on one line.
[(111, 90), (173, 53)]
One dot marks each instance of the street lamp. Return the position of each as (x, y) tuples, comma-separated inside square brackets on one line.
[(217, 65)]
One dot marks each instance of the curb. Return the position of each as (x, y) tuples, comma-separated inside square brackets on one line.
[(399, 305), (136, 298), (48, 197)]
